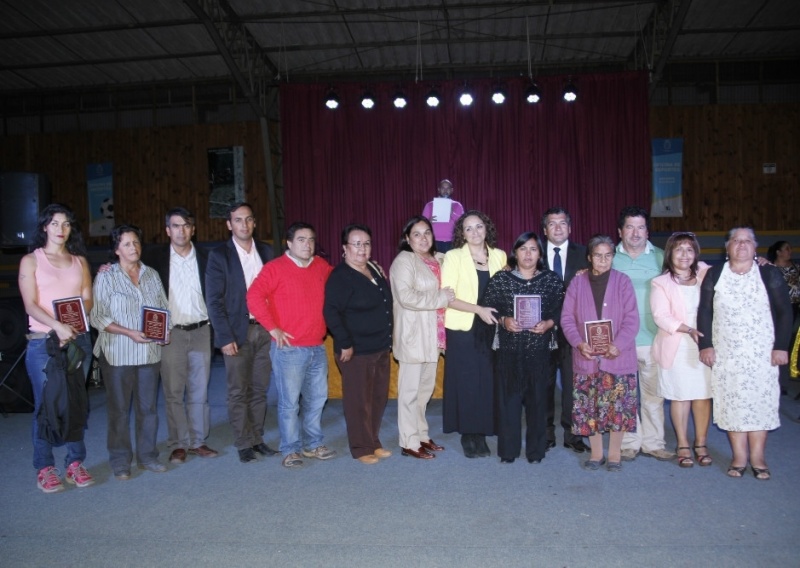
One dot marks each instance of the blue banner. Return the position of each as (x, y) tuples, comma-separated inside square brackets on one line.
[(100, 185), (667, 174)]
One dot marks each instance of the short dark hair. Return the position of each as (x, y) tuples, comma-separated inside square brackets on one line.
[(354, 227), (672, 242), (633, 211), (555, 211), (298, 226), (407, 232), (772, 251), (74, 245), (234, 206), (116, 237), (458, 229), (181, 212), (521, 240)]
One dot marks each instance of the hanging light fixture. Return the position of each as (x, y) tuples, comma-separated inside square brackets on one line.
[(368, 100), (466, 98), (499, 95), (433, 99), (331, 99), (532, 94), (399, 100), (570, 92)]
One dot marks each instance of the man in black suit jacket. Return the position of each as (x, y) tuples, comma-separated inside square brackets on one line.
[(565, 258), (232, 267), (186, 359)]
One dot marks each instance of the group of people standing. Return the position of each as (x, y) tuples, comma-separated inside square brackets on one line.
[(677, 328)]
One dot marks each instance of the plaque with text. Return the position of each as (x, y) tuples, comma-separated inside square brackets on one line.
[(527, 310), (71, 311), (599, 335), (155, 324)]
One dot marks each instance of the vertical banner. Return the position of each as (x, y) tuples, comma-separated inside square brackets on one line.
[(100, 185), (225, 179), (667, 174)]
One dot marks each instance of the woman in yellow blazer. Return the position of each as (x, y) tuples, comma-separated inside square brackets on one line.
[(468, 381)]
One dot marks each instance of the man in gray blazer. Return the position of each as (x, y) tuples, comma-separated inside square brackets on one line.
[(565, 258)]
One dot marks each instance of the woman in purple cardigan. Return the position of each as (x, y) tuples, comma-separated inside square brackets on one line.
[(605, 390)]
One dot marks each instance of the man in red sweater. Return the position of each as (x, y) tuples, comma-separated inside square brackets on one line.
[(286, 298)]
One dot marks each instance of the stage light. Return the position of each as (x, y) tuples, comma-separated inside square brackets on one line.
[(466, 98), (433, 99), (499, 95), (532, 94), (368, 100), (400, 100), (331, 99), (570, 92)]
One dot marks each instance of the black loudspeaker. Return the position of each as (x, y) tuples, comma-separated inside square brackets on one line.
[(13, 326), (22, 196)]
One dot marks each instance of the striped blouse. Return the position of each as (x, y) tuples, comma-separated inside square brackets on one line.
[(118, 300)]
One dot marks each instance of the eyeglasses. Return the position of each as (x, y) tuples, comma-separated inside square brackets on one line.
[(358, 245)]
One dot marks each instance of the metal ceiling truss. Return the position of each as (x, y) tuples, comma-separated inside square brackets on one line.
[(252, 70)]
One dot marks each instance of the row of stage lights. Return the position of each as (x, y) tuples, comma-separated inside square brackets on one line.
[(499, 95)]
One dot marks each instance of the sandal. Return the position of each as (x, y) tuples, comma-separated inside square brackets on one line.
[(685, 461), (703, 460), (736, 471), (762, 474)]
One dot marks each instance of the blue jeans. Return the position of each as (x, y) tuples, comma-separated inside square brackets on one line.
[(35, 361), (300, 371)]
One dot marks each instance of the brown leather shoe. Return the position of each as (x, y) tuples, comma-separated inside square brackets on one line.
[(178, 456), (420, 454), (204, 452), (432, 446)]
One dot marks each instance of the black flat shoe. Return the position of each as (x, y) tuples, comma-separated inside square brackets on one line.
[(468, 445), (481, 448), (264, 450), (247, 455), (576, 446), (507, 460), (549, 445)]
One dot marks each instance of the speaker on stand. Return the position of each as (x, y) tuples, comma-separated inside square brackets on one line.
[(16, 392)]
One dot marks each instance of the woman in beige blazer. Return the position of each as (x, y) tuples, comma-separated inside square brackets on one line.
[(419, 336)]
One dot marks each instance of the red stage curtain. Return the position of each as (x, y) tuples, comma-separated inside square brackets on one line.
[(512, 161)]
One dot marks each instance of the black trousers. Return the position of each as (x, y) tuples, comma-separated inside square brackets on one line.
[(561, 359)]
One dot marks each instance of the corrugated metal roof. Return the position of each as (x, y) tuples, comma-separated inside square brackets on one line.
[(47, 45)]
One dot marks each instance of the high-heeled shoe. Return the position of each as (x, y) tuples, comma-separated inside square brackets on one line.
[(703, 460)]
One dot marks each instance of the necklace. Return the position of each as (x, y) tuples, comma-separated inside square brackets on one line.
[(478, 262)]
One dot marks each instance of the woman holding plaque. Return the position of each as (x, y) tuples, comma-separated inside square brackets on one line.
[(742, 304), (129, 359), (419, 337), (600, 320), (468, 379), (682, 378), (56, 270), (528, 301)]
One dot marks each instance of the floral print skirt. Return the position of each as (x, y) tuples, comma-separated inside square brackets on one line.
[(604, 402)]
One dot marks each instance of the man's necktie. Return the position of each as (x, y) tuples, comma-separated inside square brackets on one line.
[(557, 263)]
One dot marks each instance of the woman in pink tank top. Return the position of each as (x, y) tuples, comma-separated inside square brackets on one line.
[(56, 269)]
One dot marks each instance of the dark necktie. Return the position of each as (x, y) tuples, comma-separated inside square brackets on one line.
[(557, 263)]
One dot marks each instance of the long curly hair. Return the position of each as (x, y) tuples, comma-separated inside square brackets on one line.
[(458, 230), (74, 245)]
